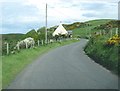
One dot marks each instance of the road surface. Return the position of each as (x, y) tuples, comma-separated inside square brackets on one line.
[(65, 67)]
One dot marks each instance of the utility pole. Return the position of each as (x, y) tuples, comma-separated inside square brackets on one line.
[(46, 25)]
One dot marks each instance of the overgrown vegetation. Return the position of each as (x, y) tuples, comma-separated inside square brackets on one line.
[(102, 53), (103, 47), (13, 64)]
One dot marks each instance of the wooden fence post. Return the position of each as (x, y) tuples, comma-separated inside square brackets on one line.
[(7, 48), (18, 47), (38, 43), (26, 45), (116, 31)]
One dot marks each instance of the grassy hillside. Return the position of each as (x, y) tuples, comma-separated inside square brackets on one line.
[(12, 37), (86, 31)]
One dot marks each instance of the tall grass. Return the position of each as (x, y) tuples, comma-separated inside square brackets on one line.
[(13, 64), (102, 54)]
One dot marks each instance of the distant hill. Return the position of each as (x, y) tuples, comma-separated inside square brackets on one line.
[(79, 29), (70, 26), (94, 26), (12, 37)]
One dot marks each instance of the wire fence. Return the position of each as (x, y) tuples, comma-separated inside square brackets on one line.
[(11, 48)]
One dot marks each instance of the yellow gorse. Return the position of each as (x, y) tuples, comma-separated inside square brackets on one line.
[(115, 40)]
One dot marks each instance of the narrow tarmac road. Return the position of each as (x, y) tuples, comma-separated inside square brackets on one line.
[(66, 67)]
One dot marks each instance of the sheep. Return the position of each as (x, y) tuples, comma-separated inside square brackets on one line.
[(26, 43), (29, 42)]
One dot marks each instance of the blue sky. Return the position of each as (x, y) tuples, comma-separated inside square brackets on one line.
[(20, 16)]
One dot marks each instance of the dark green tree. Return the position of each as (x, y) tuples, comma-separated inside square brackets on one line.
[(41, 33), (32, 34)]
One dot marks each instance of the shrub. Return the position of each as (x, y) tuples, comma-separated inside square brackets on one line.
[(104, 55), (115, 40)]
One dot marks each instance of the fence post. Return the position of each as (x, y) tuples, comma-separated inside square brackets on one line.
[(26, 45), (116, 31), (18, 47), (7, 48), (38, 43), (42, 42)]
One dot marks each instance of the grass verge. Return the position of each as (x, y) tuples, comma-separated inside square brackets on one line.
[(104, 55), (13, 64)]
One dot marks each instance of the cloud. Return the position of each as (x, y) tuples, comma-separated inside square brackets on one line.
[(21, 15), (11, 10), (90, 15), (94, 6)]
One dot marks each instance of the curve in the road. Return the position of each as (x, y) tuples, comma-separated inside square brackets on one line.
[(66, 67)]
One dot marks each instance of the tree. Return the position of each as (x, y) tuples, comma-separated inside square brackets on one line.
[(41, 33), (32, 34)]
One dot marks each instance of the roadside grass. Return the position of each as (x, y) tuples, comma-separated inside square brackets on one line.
[(104, 55), (13, 64)]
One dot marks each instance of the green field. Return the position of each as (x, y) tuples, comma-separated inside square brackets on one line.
[(13, 64), (87, 30)]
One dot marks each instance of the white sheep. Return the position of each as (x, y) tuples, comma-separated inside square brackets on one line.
[(26, 43)]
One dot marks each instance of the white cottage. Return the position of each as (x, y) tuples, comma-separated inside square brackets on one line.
[(60, 31)]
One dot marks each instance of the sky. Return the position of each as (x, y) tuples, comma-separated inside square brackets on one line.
[(20, 16)]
